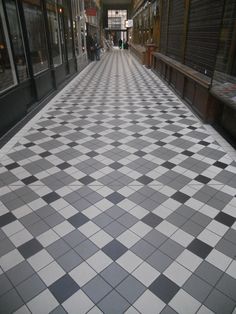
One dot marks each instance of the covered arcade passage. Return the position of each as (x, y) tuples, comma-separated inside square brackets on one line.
[(115, 199)]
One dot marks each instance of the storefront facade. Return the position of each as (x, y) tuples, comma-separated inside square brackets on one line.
[(41, 46)]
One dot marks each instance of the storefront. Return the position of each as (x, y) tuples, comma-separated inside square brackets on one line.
[(41, 46)]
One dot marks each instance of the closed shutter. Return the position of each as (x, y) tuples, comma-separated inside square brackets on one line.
[(202, 36), (227, 47), (164, 25), (175, 29)]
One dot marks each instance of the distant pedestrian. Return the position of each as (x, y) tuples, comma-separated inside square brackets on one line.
[(90, 47), (97, 47), (120, 43)]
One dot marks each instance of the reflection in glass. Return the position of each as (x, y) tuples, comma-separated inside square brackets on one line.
[(75, 14), (7, 74), (36, 34), (54, 32), (16, 38), (68, 31), (224, 79)]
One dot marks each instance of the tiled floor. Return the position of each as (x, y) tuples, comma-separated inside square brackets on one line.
[(115, 199)]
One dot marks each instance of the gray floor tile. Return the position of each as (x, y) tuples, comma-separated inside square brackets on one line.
[(219, 303), (10, 302), (159, 261), (69, 260), (130, 288), (5, 284), (96, 289), (208, 272), (227, 285), (20, 272), (133, 142), (114, 274), (113, 303), (171, 248), (86, 249), (30, 287), (197, 288)]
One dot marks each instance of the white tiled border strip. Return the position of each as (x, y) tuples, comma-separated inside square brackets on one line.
[(221, 141), (9, 145)]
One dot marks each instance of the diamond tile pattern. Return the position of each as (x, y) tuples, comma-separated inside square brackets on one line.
[(114, 179)]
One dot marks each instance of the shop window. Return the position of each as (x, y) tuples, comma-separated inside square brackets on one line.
[(75, 20), (7, 71), (16, 38), (53, 21), (224, 78), (68, 31), (36, 34)]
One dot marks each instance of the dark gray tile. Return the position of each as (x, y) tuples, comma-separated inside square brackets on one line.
[(30, 248), (180, 197), (114, 249), (113, 303), (130, 288), (78, 220), (51, 197), (168, 310), (199, 248), (152, 220), (115, 198), (58, 310), (164, 288), (64, 288), (6, 219)]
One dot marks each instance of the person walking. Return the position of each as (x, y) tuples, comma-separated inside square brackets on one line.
[(90, 47), (97, 47)]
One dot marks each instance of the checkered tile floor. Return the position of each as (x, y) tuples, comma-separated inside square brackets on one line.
[(115, 199)]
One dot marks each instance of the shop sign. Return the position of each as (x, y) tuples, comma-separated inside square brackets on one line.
[(91, 12)]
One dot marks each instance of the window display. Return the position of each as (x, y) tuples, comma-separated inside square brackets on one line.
[(36, 35), (7, 71)]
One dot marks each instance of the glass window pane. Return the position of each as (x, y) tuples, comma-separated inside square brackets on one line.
[(68, 31), (16, 38), (53, 22), (7, 74), (36, 34)]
